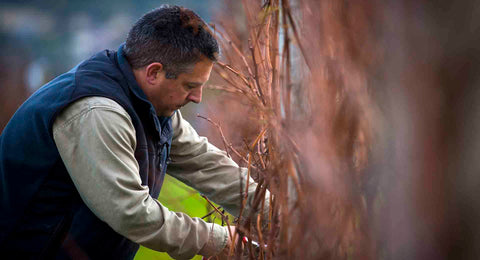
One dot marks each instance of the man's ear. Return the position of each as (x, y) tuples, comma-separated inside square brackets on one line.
[(153, 71)]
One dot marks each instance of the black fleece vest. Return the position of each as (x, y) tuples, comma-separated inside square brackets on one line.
[(41, 213)]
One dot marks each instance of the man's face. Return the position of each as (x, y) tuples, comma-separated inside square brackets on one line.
[(168, 95)]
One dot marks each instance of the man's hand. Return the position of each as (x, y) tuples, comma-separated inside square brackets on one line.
[(232, 238)]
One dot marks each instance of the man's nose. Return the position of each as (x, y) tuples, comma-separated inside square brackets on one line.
[(195, 96)]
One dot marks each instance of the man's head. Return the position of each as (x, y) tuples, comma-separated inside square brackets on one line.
[(171, 51)]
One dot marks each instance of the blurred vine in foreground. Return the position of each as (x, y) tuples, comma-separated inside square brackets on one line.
[(361, 118), (297, 74)]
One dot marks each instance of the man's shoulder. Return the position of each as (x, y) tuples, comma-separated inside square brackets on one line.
[(97, 62), (85, 104), (93, 102)]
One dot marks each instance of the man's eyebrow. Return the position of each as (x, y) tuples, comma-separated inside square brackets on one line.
[(193, 83)]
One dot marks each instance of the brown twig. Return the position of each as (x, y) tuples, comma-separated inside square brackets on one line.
[(237, 73), (208, 214), (288, 11), (224, 140), (257, 76), (223, 218), (238, 52), (221, 132)]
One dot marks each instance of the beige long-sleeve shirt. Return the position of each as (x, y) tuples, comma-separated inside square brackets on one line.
[(96, 140)]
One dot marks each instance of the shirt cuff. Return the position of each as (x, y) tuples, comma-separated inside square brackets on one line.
[(217, 240)]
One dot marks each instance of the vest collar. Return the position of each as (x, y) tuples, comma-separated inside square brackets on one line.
[(164, 131), (127, 72)]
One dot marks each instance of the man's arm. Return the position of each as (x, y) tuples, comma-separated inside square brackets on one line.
[(206, 168), (96, 140)]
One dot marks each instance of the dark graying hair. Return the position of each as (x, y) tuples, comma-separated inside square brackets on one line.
[(174, 36)]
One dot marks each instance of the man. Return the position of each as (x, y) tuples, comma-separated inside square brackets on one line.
[(83, 159)]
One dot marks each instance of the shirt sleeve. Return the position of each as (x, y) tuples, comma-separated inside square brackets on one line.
[(209, 170), (96, 141)]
